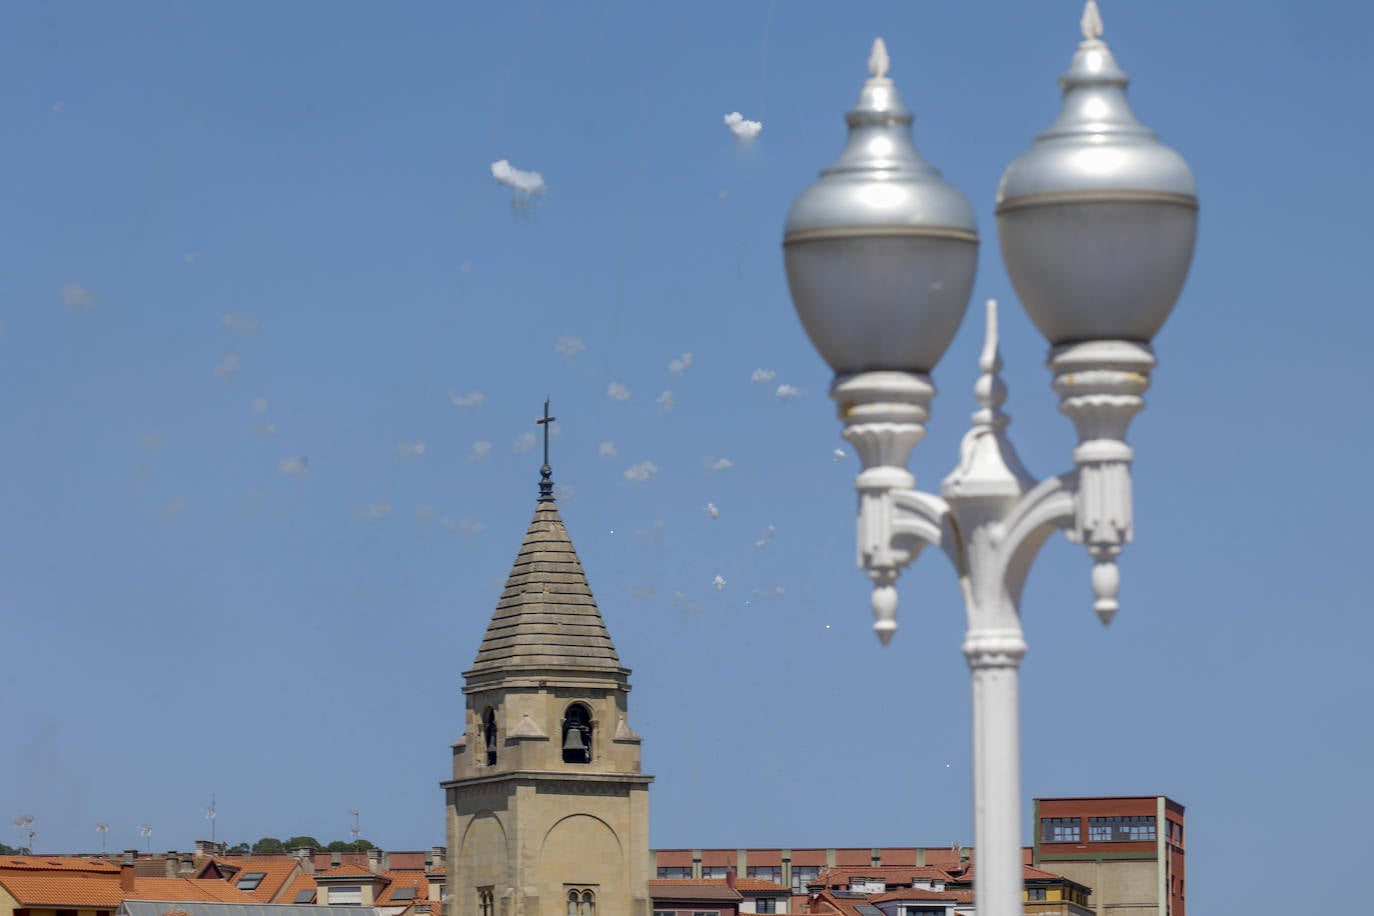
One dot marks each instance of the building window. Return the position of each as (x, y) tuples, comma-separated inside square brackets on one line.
[(489, 734), (577, 734), (766, 905), (766, 872), (581, 903), (66, 913), (1061, 830), (486, 901), (714, 871), (665, 913), (1175, 833), (1035, 893), (1121, 829), (675, 871), (803, 875), (250, 881), (350, 895), (707, 913)]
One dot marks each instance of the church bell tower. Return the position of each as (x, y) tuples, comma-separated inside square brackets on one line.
[(547, 812)]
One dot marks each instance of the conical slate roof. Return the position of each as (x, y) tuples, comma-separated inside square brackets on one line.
[(547, 615)]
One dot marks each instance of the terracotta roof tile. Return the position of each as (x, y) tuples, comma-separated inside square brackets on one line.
[(692, 889), (56, 863), (758, 885), (299, 883), (400, 879), (344, 871), (68, 889)]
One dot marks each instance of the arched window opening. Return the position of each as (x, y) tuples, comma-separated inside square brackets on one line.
[(489, 734), (581, 903), (577, 738), (486, 901)]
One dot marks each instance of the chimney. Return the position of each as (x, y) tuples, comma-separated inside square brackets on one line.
[(730, 878), (374, 861), (129, 856), (171, 863), (335, 859), (436, 856), (305, 857), (188, 864), (126, 875)]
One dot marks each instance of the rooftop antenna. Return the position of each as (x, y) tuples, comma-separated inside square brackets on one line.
[(102, 829), (24, 824), (354, 830), (146, 831), (210, 816)]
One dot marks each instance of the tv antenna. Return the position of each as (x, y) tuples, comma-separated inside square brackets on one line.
[(24, 824), (146, 831), (102, 829), (210, 813), (354, 830)]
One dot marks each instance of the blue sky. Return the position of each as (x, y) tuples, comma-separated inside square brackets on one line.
[(183, 617)]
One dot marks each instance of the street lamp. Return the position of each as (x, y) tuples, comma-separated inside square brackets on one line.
[(1097, 223)]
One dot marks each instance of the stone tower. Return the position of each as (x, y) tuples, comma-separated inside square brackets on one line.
[(547, 811)]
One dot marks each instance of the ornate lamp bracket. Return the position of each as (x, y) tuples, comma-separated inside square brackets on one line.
[(992, 516)]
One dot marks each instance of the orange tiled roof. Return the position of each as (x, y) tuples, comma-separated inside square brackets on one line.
[(692, 889), (758, 885), (276, 872), (299, 883), (56, 863), (400, 879), (210, 890), (102, 890)]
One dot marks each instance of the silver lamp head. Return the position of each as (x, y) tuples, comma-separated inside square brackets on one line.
[(880, 251), (1097, 219)]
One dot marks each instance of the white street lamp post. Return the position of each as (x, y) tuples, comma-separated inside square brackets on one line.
[(1097, 223)]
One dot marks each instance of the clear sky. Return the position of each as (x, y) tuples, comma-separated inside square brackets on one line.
[(253, 252)]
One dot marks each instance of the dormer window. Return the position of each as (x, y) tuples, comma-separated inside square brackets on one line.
[(577, 734), (250, 881), (489, 735)]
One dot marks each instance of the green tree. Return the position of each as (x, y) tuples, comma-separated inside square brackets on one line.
[(268, 844), (239, 847), (296, 842), (356, 846), (10, 850)]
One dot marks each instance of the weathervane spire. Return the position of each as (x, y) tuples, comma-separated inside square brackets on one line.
[(546, 472)]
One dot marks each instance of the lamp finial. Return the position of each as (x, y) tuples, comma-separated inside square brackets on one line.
[(1091, 22), (878, 61)]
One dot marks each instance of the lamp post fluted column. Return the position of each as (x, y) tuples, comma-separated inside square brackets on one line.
[(1096, 222)]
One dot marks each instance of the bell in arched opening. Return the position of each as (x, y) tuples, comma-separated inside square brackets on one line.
[(489, 734), (577, 735)]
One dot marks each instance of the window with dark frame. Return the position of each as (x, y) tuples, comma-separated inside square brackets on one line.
[(486, 901), (675, 871), (248, 882), (766, 872), (1121, 829), (766, 905), (1035, 893), (1061, 830)]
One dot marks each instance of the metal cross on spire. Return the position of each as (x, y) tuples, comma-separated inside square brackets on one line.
[(546, 472)]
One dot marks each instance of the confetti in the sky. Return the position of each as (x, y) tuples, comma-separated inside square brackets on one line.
[(761, 376), (719, 464), (296, 467), (408, 450), (525, 442), (767, 537), (78, 297), (839, 454), (228, 368), (523, 183), (681, 364), (718, 582), (247, 325), (607, 450), (711, 510), (480, 451), (741, 127), (617, 392), (568, 348), (665, 402), (641, 472), (471, 399), (788, 392)]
